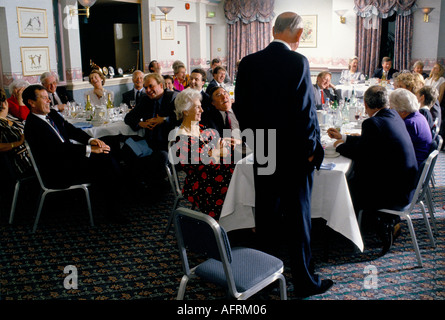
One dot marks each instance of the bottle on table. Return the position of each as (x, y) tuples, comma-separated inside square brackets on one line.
[(88, 109)]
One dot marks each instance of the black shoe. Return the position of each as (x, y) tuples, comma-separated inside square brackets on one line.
[(387, 238), (324, 286)]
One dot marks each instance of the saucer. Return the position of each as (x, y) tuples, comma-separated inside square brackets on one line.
[(334, 155)]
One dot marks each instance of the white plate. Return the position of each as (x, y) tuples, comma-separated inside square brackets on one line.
[(335, 155)]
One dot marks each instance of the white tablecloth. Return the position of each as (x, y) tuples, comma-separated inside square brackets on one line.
[(345, 91), (330, 199), (111, 129)]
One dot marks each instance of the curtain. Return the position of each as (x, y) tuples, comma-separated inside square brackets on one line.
[(368, 43), (370, 13), (249, 28)]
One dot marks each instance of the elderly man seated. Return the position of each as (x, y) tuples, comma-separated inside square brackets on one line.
[(324, 89), (407, 106), (385, 165)]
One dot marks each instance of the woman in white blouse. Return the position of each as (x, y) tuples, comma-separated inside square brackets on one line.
[(436, 80), (98, 95), (352, 74)]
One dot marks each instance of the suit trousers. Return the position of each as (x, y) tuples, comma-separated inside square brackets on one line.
[(283, 215)]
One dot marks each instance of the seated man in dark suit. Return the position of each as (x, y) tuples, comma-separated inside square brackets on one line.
[(137, 92), (197, 80), (155, 114), (324, 89), (57, 95), (385, 165), (49, 137), (386, 70)]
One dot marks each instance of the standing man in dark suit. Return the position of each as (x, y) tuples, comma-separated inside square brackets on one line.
[(155, 114), (385, 165), (57, 95), (386, 69), (283, 198), (137, 92), (49, 136)]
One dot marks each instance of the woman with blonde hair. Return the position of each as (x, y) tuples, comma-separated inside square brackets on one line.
[(98, 95), (436, 78), (352, 74)]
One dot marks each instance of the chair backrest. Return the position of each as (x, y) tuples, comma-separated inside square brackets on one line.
[(36, 167), (426, 172), (171, 170)]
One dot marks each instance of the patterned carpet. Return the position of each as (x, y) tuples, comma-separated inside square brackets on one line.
[(135, 261)]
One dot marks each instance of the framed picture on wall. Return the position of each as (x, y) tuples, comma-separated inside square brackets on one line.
[(167, 30), (309, 36), (35, 60), (32, 23)]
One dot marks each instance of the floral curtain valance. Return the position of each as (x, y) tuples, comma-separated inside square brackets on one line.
[(249, 10), (384, 8)]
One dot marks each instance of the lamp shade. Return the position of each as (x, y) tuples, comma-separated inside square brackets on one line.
[(427, 10), (341, 13), (164, 9), (87, 3)]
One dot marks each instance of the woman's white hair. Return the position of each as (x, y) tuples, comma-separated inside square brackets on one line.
[(184, 101), (18, 83), (403, 100)]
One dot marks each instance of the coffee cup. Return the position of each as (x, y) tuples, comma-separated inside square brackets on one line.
[(329, 150)]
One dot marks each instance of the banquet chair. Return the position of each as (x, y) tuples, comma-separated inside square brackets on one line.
[(428, 195), (45, 191), (419, 194), (174, 183), (242, 271)]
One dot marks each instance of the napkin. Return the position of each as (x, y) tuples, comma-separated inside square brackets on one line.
[(327, 166), (83, 125)]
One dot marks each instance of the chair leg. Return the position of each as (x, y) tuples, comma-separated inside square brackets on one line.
[(182, 285), (283, 289), (431, 209), (427, 224), (39, 210), (90, 211), (14, 201), (170, 219), (414, 240)]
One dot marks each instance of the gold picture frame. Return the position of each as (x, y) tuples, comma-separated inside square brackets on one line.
[(167, 30), (32, 23), (35, 60), (309, 37)]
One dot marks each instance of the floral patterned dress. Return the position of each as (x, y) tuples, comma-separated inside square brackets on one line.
[(206, 181)]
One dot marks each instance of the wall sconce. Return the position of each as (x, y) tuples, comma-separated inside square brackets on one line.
[(426, 12), (164, 10), (341, 14), (87, 4)]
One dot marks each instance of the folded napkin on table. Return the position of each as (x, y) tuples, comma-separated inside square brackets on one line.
[(327, 166)]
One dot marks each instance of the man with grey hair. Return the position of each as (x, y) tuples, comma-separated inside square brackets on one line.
[(385, 165), (136, 93), (57, 95), (283, 198)]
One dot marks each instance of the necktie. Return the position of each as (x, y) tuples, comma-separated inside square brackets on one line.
[(138, 95), (54, 126), (322, 97), (228, 123)]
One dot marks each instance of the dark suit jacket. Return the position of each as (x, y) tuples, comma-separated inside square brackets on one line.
[(212, 84), (54, 157), (385, 165), (129, 95), (290, 109), (157, 138), (63, 94), (379, 72)]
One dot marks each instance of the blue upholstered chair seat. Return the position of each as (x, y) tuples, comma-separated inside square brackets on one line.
[(249, 267)]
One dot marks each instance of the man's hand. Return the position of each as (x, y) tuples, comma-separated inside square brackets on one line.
[(98, 146), (334, 134), (151, 123)]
